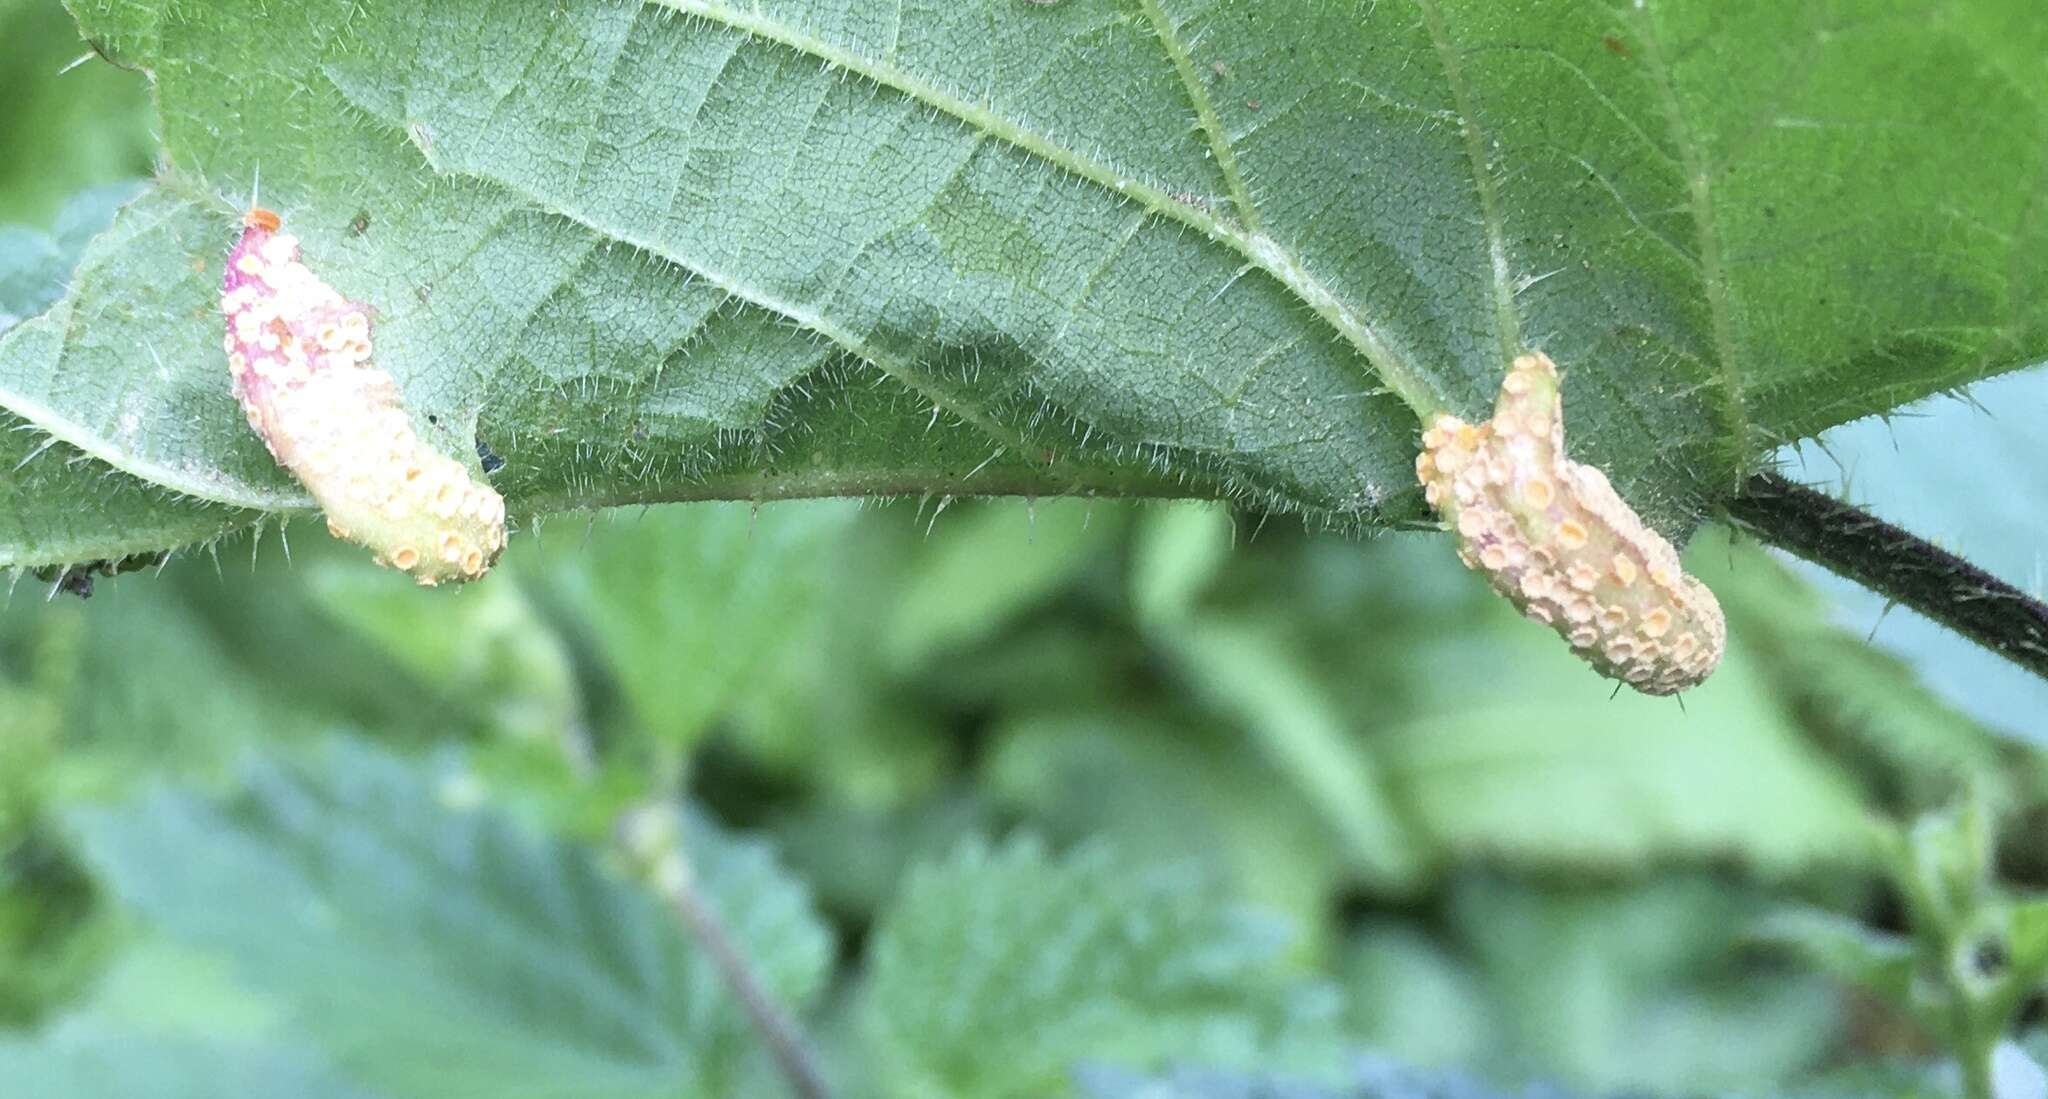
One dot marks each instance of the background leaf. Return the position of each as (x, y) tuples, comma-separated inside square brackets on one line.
[(998, 968), (448, 951), (1371, 1078), (52, 100), (1577, 925), (92, 1059), (977, 575), (690, 607)]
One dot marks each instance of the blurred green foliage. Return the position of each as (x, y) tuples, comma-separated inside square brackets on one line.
[(1155, 784), (63, 128)]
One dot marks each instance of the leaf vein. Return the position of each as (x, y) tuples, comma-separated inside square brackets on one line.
[(1399, 375), (1506, 315), (1713, 274), (1206, 118)]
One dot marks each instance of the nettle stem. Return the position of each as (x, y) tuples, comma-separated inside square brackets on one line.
[(652, 838), (1897, 564)]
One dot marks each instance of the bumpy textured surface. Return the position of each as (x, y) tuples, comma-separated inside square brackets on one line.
[(1552, 536), (299, 356)]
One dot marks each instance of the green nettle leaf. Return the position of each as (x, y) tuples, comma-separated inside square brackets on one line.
[(33, 264), (491, 653), (691, 607), (1502, 758), (1247, 670), (998, 970), (1877, 961), (1160, 789), (1369, 1078), (91, 1058), (1632, 989), (440, 951), (704, 248), (1178, 553), (60, 503), (148, 720), (978, 573)]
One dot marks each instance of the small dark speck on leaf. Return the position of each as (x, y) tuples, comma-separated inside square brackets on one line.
[(1252, 103), (78, 579), (488, 458), (75, 581), (1615, 46), (360, 224), (434, 419)]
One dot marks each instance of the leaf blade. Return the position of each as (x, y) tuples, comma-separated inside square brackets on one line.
[(1218, 249)]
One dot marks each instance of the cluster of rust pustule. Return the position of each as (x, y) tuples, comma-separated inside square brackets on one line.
[(299, 356), (1553, 537)]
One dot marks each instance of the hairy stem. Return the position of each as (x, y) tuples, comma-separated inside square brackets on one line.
[(1898, 565)]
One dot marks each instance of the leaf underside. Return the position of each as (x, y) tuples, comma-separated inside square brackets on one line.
[(700, 249)]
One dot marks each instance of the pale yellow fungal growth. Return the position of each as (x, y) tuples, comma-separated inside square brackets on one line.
[(299, 360), (1555, 539)]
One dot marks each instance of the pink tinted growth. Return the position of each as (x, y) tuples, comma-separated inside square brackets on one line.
[(299, 356), (283, 324)]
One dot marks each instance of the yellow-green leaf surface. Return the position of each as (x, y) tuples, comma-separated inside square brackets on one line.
[(763, 248)]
